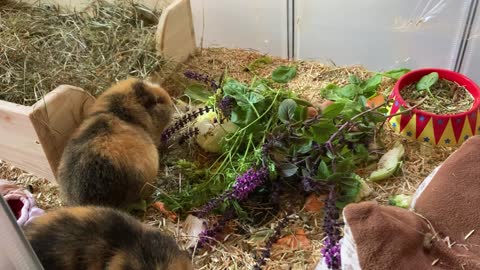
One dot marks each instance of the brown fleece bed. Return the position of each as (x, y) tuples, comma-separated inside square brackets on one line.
[(441, 232)]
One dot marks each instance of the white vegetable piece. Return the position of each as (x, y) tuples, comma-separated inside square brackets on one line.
[(365, 190), (210, 134), (388, 163)]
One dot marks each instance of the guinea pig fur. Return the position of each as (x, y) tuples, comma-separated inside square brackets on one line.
[(100, 238), (112, 158)]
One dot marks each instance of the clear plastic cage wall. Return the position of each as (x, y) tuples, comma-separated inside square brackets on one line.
[(380, 35)]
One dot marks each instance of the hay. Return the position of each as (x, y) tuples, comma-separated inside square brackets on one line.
[(42, 47), (443, 97), (45, 193), (237, 249)]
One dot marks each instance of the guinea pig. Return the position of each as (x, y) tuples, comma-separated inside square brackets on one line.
[(101, 238), (112, 158)]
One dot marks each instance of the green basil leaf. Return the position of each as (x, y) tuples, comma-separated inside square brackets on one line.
[(323, 171), (287, 169), (333, 110), (284, 74), (370, 86), (353, 79), (286, 110), (427, 81), (197, 92), (396, 73)]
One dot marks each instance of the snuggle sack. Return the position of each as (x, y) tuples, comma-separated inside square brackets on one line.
[(440, 231), (21, 202), (451, 201)]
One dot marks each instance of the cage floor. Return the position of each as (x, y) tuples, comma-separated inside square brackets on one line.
[(237, 250)]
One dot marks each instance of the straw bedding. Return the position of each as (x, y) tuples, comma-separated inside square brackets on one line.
[(43, 47)]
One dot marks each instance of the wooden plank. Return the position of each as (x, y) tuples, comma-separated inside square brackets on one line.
[(33, 138), (82, 4), (19, 144), (175, 32), (56, 117)]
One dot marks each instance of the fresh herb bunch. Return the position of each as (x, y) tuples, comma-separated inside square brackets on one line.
[(274, 131), (254, 109), (277, 140)]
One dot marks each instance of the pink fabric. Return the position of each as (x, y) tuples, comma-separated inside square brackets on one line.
[(21, 202)]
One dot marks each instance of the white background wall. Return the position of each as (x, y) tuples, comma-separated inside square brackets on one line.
[(250, 24), (378, 34), (381, 34), (471, 59)]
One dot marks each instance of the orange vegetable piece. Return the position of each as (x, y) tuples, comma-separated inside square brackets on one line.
[(313, 203), (311, 112), (325, 104), (160, 206), (294, 241), (376, 101)]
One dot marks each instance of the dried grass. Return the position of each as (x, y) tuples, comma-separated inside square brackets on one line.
[(42, 47), (447, 97), (236, 251), (44, 192)]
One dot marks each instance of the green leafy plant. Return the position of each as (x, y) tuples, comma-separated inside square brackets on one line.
[(396, 73), (284, 74), (198, 93), (277, 143), (264, 60), (426, 82)]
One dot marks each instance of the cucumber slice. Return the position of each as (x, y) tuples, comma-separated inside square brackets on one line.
[(388, 163)]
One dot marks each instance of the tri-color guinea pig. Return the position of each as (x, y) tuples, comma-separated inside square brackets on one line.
[(101, 238), (112, 157)]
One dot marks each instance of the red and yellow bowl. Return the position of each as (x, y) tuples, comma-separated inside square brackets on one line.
[(436, 129)]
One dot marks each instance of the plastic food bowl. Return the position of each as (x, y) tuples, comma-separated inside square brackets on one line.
[(435, 129)]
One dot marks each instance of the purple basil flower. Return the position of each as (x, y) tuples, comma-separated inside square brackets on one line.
[(226, 105), (202, 78), (271, 240), (331, 253), (245, 184), (248, 182), (310, 185), (331, 249), (190, 133), (212, 204), (207, 236), (182, 122)]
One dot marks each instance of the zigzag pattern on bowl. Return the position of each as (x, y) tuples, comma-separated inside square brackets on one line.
[(435, 130)]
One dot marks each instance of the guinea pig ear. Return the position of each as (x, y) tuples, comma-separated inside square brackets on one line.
[(144, 97)]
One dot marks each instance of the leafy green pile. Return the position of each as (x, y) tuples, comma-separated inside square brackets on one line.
[(310, 154)]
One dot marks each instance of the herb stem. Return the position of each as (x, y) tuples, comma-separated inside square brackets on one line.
[(228, 156), (407, 110), (248, 145), (263, 114), (254, 109), (329, 143)]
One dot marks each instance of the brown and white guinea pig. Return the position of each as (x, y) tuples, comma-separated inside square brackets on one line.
[(101, 238), (112, 158)]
